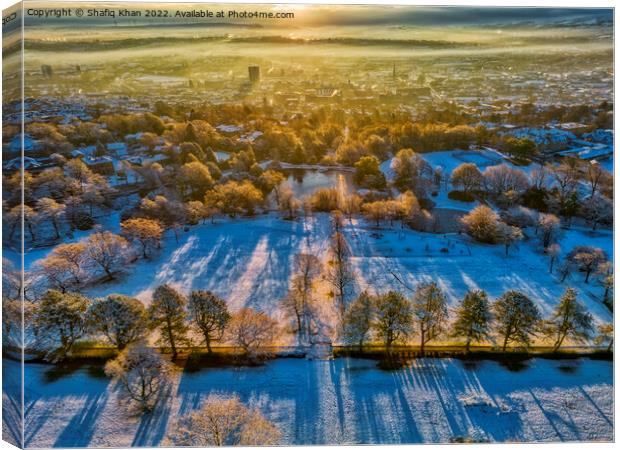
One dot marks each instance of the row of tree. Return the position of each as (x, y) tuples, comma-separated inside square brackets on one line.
[(60, 319), (73, 265), (69, 194), (484, 225), (513, 318), (548, 188)]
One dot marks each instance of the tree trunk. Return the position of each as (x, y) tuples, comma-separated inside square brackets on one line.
[(558, 342), (388, 343), (171, 339), (611, 342), (298, 317), (467, 344), (108, 273), (31, 231), (208, 341), (505, 342), (587, 275)]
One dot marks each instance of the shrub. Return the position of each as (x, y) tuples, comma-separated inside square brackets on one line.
[(84, 222), (461, 196)]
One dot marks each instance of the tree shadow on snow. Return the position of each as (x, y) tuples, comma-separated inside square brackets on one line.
[(152, 428), (80, 429)]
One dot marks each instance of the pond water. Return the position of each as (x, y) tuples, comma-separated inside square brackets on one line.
[(343, 401), (306, 182)]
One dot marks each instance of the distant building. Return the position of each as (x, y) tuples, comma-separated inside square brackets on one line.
[(324, 95), (254, 73), (103, 165)]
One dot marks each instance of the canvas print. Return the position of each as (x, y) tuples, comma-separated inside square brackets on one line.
[(285, 224)]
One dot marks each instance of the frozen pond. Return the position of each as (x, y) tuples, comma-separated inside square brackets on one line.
[(306, 182), (344, 401)]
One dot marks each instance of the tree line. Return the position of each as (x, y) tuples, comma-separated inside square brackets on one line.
[(512, 319)]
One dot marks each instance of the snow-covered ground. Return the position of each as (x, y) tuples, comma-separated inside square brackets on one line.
[(608, 164), (448, 161), (458, 265), (344, 401), (246, 261), (249, 262), (110, 221)]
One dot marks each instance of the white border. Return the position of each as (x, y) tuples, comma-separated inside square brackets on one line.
[(489, 3)]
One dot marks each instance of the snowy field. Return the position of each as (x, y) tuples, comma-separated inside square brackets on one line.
[(249, 262), (246, 261), (344, 401), (450, 160), (457, 264)]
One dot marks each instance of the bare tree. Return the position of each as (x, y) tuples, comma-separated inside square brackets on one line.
[(351, 204), (587, 258), (430, 312), (605, 335), (339, 272), (146, 232), (595, 175), (541, 177), (597, 209), (223, 421), (56, 271), (503, 178), (467, 176), (566, 177), (251, 332), (289, 203), (553, 251), (53, 211), (106, 251), (142, 372), (375, 211), (549, 226), (17, 315), (509, 235), (300, 296)]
